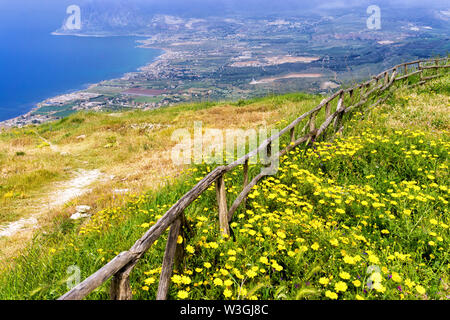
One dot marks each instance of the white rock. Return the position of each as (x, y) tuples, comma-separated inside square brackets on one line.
[(83, 209), (78, 216)]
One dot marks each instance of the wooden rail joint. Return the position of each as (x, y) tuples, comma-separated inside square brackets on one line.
[(120, 285)]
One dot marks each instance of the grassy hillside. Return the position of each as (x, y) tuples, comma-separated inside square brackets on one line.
[(131, 149), (362, 217)]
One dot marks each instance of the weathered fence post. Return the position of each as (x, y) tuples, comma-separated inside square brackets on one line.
[(351, 95), (292, 134), (340, 108), (312, 122), (419, 66), (222, 203), (392, 78), (120, 284), (169, 259), (245, 181), (311, 126), (327, 110)]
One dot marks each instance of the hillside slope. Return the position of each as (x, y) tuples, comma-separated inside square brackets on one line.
[(364, 217), (98, 159)]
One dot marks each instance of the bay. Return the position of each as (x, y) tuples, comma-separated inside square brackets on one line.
[(35, 65)]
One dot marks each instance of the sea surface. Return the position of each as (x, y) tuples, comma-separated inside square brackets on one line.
[(35, 65)]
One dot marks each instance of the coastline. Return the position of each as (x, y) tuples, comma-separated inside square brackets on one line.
[(30, 118)]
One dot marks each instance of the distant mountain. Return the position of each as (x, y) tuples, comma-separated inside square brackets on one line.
[(125, 17)]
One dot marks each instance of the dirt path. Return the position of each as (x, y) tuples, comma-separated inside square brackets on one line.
[(66, 191), (53, 147)]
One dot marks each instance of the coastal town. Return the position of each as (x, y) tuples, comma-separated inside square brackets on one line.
[(230, 59)]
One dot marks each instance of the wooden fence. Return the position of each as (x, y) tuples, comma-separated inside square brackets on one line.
[(333, 108)]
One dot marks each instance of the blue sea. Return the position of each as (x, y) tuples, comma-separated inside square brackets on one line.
[(35, 65)]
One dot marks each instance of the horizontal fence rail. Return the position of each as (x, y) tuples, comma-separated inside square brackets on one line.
[(346, 100)]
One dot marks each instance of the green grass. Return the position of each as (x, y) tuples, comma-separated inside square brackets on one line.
[(29, 167), (375, 197)]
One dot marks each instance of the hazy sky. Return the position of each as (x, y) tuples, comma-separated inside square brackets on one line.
[(230, 4), (53, 11)]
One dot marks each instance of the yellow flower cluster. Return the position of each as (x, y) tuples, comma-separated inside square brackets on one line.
[(334, 223)]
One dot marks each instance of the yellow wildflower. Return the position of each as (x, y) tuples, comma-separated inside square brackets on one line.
[(356, 283), (334, 242), (251, 274), (344, 275), (190, 249), (324, 281), (264, 260), (228, 283), (182, 294), (340, 286), (218, 282), (396, 277), (331, 295), (227, 293), (420, 289)]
